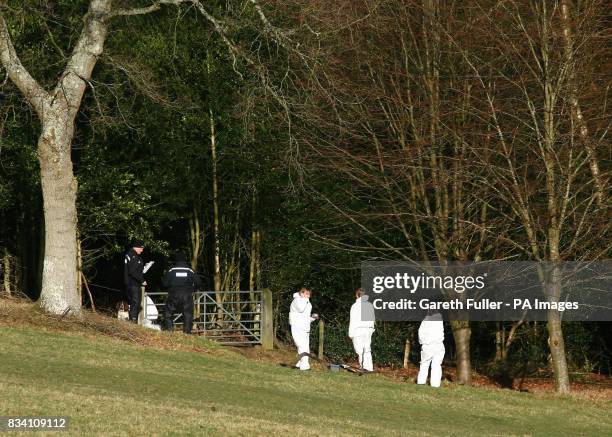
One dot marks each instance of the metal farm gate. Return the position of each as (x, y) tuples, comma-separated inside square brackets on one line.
[(228, 317)]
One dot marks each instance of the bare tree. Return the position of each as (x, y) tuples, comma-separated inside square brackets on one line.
[(574, 61), (401, 147), (553, 202), (450, 132)]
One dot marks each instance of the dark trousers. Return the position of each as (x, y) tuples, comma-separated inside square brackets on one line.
[(133, 297), (180, 302)]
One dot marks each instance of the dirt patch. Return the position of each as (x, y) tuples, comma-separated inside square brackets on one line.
[(590, 386)]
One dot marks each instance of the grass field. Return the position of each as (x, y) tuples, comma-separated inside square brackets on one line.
[(111, 387)]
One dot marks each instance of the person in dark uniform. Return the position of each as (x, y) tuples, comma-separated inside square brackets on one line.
[(133, 277), (181, 282)]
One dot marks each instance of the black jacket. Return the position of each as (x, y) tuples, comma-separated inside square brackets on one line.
[(133, 266), (181, 279)]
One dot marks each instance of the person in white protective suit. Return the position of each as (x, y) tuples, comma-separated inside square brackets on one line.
[(152, 315), (361, 328), (431, 337), (300, 319)]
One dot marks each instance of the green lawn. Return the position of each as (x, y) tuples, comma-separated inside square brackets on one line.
[(113, 388)]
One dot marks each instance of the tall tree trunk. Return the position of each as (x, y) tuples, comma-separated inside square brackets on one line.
[(6, 263), (24, 270), (18, 273), (215, 187), (557, 351), (254, 256), (500, 337), (218, 283), (59, 188), (462, 333), (509, 339), (555, 212), (195, 238), (258, 285), (253, 261), (216, 236), (80, 274), (556, 342)]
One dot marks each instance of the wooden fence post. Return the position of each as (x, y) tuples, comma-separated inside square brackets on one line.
[(406, 353), (142, 304), (267, 318), (321, 338)]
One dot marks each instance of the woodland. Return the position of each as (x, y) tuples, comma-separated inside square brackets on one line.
[(282, 143)]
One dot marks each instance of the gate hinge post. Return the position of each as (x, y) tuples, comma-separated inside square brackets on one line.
[(267, 328)]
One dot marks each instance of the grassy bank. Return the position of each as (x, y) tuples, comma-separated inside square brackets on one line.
[(113, 387)]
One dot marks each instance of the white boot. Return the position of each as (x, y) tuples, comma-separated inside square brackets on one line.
[(303, 363)]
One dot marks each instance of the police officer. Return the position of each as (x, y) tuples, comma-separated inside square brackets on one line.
[(181, 282), (133, 277)]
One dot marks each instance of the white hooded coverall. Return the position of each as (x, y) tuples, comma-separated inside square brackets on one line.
[(431, 337), (361, 328), (152, 315), (299, 319)]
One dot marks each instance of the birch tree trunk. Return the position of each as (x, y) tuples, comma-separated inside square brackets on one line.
[(216, 236), (218, 282), (583, 130), (215, 188)]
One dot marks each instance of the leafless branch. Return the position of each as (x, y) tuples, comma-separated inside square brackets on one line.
[(153, 7)]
